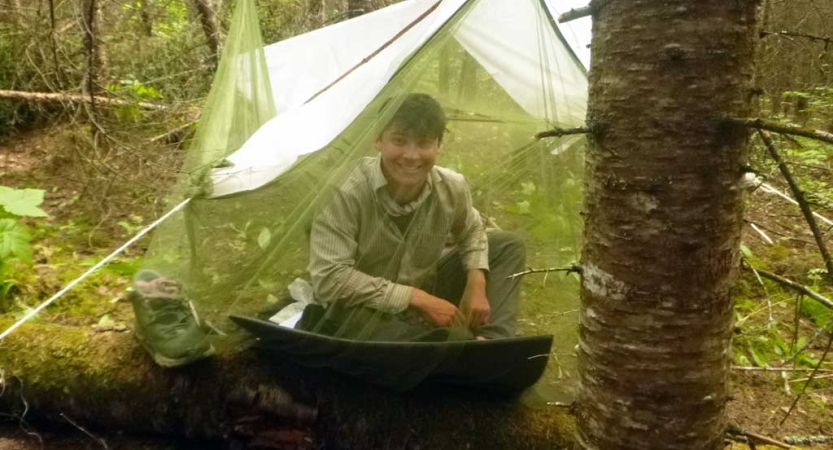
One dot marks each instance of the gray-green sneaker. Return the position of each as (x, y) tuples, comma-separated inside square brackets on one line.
[(167, 325)]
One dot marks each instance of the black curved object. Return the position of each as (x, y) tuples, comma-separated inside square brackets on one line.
[(505, 365)]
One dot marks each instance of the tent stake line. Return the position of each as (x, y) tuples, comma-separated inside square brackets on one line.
[(92, 269)]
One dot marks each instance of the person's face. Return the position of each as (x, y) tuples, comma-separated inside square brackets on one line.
[(406, 159)]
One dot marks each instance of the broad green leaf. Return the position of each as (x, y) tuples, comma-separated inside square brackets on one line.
[(263, 238), (14, 240), (22, 202), (746, 252)]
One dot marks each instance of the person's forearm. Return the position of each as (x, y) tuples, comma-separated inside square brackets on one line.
[(476, 279)]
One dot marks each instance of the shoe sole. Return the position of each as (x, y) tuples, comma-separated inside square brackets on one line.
[(166, 362)]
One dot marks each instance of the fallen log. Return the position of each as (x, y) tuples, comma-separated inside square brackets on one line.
[(106, 381), (49, 97)]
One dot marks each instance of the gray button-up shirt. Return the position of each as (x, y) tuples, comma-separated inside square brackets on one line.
[(359, 255)]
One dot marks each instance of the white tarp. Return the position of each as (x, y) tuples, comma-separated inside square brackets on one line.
[(504, 36)]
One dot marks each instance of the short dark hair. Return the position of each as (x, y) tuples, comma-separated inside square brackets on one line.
[(419, 115)]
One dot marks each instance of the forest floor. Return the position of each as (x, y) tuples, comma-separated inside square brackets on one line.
[(770, 325)]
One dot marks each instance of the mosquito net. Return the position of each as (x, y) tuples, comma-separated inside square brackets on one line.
[(395, 197)]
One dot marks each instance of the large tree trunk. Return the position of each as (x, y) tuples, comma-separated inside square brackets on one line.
[(105, 380), (663, 218)]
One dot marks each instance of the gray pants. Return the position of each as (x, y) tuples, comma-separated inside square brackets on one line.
[(507, 256)]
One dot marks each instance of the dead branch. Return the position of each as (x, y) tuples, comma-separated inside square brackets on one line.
[(811, 37), (558, 132), (735, 431), (578, 13), (574, 268), (815, 336), (810, 379), (807, 440), (793, 285), (779, 369), (48, 97), (785, 128), (802, 203)]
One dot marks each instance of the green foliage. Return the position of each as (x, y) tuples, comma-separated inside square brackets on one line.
[(15, 240), (22, 202)]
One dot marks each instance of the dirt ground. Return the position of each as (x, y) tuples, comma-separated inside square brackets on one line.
[(46, 159)]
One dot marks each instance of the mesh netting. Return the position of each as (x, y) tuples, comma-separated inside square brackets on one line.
[(374, 241)]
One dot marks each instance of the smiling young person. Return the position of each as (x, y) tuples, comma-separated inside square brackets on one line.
[(378, 246)]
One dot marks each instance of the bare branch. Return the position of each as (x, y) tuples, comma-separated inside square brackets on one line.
[(734, 431), (810, 379), (558, 132), (793, 285), (574, 268), (786, 128), (578, 13), (811, 37), (802, 203)]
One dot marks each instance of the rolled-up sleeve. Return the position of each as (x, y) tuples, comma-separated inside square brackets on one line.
[(333, 249)]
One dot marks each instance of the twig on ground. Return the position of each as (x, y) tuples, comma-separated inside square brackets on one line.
[(735, 431), (807, 440), (779, 369), (793, 285), (761, 232), (810, 379), (821, 377), (174, 131), (786, 128), (768, 188), (100, 440), (802, 203), (558, 132), (811, 37), (574, 268)]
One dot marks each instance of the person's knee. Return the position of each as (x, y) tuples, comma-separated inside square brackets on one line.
[(508, 243)]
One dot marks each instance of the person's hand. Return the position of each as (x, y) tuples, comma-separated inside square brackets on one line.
[(437, 311), (475, 304)]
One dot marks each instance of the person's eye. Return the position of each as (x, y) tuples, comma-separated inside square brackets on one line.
[(399, 141)]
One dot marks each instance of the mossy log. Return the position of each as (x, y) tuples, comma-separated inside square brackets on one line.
[(105, 380)]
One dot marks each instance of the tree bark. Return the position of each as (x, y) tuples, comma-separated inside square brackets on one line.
[(211, 28), (663, 214), (106, 381)]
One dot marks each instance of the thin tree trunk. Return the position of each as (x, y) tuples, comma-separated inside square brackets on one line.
[(663, 214), (96, 59), (211, 28), (145, 17)]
